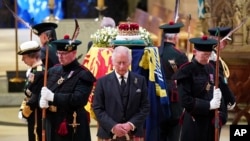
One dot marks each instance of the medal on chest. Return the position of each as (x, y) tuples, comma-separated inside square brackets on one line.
[(211, 81), (60, 80), (31, 77)]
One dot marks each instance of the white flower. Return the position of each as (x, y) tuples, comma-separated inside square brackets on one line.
[(104, 36)]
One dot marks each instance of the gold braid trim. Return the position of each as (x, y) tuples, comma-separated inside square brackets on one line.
[(225, 68)]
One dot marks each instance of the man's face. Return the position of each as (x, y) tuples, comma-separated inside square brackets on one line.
[(121, 63), (66, 57), (202, 56), (43, 38)]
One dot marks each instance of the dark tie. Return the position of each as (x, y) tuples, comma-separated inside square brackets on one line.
[(123, 83)]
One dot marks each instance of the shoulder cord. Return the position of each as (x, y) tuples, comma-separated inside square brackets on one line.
[(225, 68)]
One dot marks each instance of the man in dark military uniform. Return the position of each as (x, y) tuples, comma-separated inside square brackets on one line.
[(215, 33), (199, 97), (67, 92), (47, 34), (171, 60), (30, 110)]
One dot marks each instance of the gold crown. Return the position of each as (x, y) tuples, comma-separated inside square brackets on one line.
[(128, 29)]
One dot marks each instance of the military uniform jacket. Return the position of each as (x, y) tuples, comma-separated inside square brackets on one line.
[(195, 85), (71, 85), (32, 89), (169, 52), (171, 60), (108, 104)]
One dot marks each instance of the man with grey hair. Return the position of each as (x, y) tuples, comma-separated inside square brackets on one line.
[(171, 59), (121, 102), (107, 22)]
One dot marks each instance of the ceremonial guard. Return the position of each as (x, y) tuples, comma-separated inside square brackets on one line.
[(46, 33), (68, 88), (199, 96), (219, 34), (30, 110), (171, 60)]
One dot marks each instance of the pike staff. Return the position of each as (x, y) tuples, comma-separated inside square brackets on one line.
[(176, 10), (216, 115), (235, 29), (189, 32), (45, 84)]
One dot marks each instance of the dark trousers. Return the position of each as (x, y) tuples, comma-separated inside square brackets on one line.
[(170, 132)]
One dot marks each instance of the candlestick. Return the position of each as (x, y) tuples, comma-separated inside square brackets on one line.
[(51, 17), (100, 9)]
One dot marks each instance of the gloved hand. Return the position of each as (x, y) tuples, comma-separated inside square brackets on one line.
[(213, 56), (46, 94), (43, 103), (217, 93), (231, 106), (20, 116), (216, 100), (214, 104)]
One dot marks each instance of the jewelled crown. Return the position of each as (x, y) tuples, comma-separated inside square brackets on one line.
[(128, 29)]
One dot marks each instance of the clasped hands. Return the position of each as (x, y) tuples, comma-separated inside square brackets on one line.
[(121, 129), (46, 96)]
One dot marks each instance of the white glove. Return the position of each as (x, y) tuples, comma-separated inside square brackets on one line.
[(46, 94), (20, 116), (215, 102), (43, 103), (217, 93), (213, 56), (230, 106)]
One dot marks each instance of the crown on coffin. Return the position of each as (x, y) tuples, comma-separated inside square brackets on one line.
[(128, 29)]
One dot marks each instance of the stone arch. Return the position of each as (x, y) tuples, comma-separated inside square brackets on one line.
[(218, 11)]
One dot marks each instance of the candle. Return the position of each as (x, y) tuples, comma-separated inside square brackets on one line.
[(100, 3), (51, 2)]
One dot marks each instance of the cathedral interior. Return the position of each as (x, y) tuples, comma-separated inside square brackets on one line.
[(150, 14)]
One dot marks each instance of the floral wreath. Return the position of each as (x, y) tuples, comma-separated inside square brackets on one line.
[(104, 36)]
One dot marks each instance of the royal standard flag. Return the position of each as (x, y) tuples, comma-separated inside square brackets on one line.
[(98, 61)]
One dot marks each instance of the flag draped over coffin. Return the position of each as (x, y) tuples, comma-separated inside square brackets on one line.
[(147, 63), (98, 61)]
